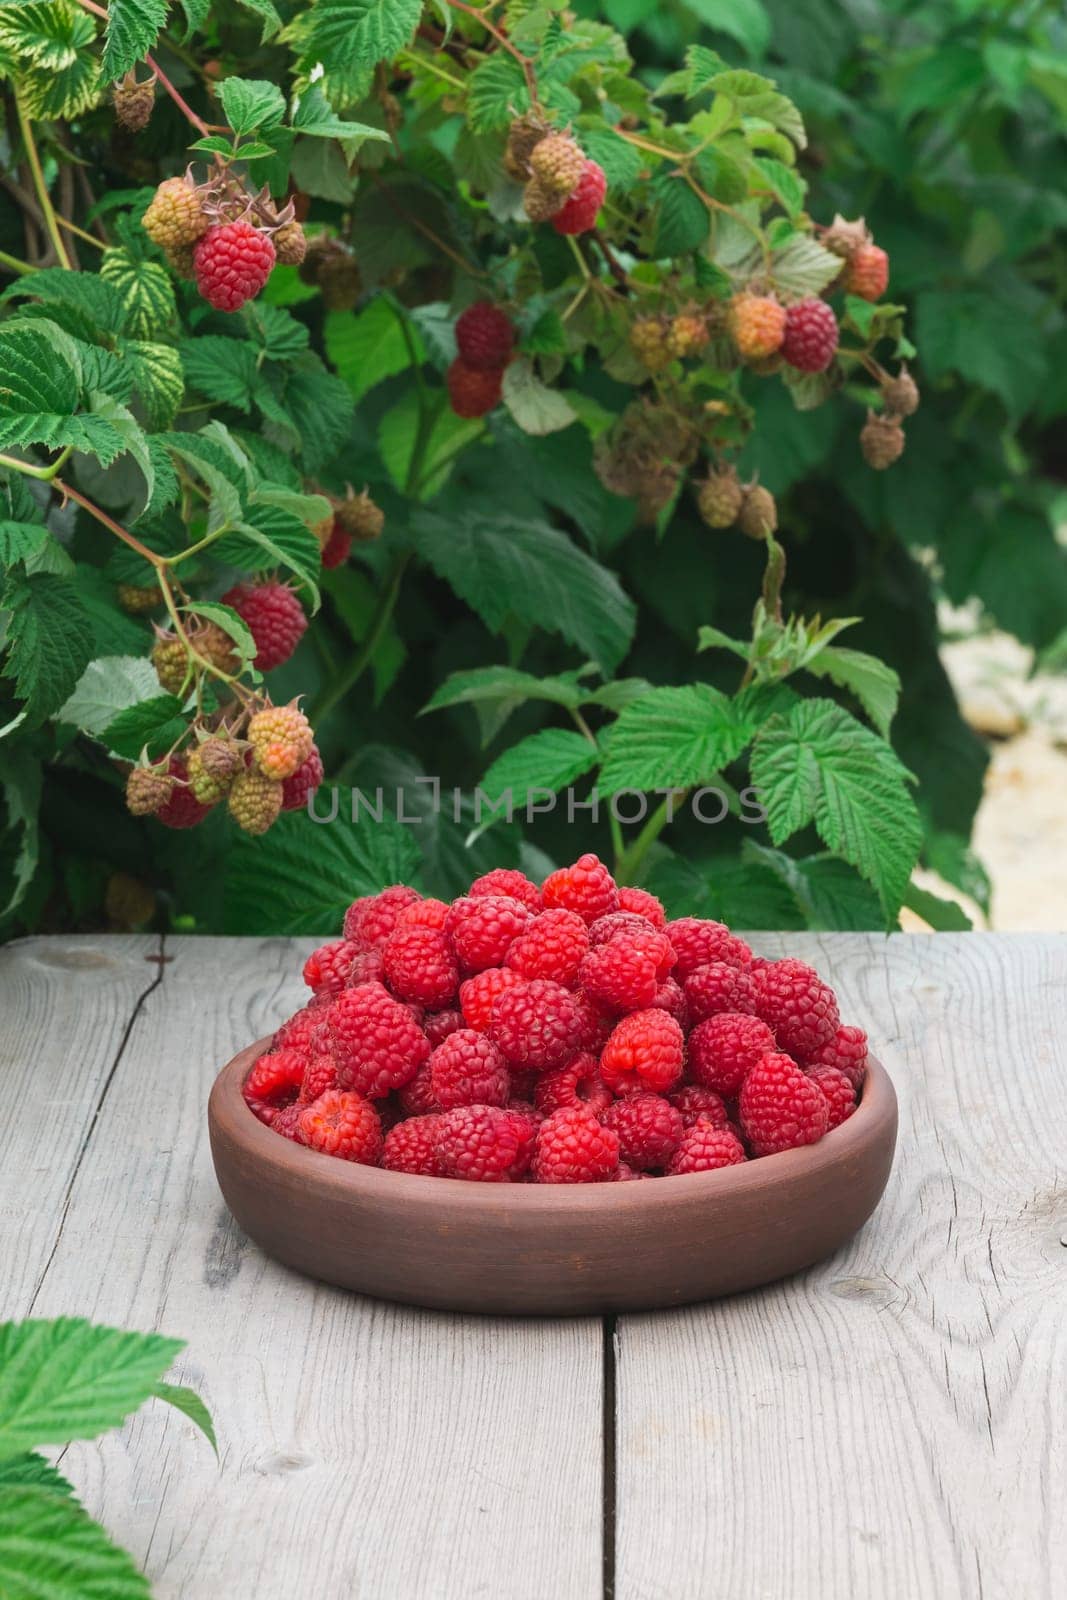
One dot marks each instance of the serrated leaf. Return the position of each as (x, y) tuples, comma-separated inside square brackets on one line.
[(128, 432), (50, 1547), (942, 915), (502, 684), (548, 760), (20, 784), (269, 536), (503, 565), (132, 29), (783, 182), (189, 1403), (757, 96), (714, 639), (107, 686), (744, 20), (251, 103), (803, 267), (221, 369), (84, 292), (145, 289), (230, 623), (369, 346), (266, 12), (315, 118), (536, 408), (876, 686), (22, 541), (52, 41), (496, 91), (49, 640), (349, 38), (153, 724), (398, 432), (830, 893), (319, 407), (622, 162), (673, 738), (157, 380), (31, 1471), (682, 221)]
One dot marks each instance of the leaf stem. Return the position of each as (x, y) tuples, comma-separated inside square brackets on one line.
[(346, 680), (633, 857), (202, 127), (72, 227), (42, 474), (44, 199), (13, 264), (504, 42)]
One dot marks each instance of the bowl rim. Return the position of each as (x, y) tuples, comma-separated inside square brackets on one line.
[(230, 1117)]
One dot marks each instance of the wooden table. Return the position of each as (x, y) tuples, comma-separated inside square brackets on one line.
[(890, 1424)]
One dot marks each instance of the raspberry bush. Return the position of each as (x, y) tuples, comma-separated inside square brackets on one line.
[(363, 359)]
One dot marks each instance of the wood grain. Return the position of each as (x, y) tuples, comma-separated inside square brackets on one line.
[(892, 1422)]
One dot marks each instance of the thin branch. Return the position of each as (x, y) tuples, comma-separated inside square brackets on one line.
[(505, 44), (44, 200), (13, 264)]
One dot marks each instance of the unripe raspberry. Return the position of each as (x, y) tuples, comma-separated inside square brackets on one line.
[(757, 325), (216, 646), (222, 759), (810, 339), (255, 800), (133, 101), (340, 280), (232, 263), (719, 498), (274, 617), (539, 202), (290, 244), (758, 516), (901, 394), (360, 518), (882, 441), (147, 789), (687, 335), (485, 337), (472, 393), (204, 785), (524, 135), (579, 213), (138, 598), (174, 216), (281, 740), (868, 272), (180, 260), (844, 238), (648, 341), (171, 661), (557, 164)]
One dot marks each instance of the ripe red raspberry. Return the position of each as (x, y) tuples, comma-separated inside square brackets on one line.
[(552, 946), (306, 1030), (441, 1025), (698, 940), (615, 922), (625, 1174), (780, 1107), (847, 1051), (420, 966), (587, 888), (577, 1082), (840, 1095), (326, 968), (670, 996), (181, 809), (429, 913), (718, 987), (649, 1129), (703, 1147), (274, 617), (304, 781), (342, 1124), (417, 1099), (594, 1024), (620, 975), (485, 337), (793, 1000), (482, 929), (371, 919), (484, 1144), (757, 325), (411, 1146), (320, 1074), (693, 1101), (640, 935), (508, 881), (472, 392), (477, 995), (232, 263), (338, 546), (868, 272), (368, 966), (573, 1147), (723, 1048), (579, 213), (643, 904), (810, 336), (376, 1042), (287, 1122), (536, 1023), (274, 1082), (645, 1051), (468, 1070)]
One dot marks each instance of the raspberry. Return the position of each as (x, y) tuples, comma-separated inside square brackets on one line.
[(643, 904), (290, 244), (882, 441), (420, 966), (718, 987), (371, 919), (645, 1051), (723, 1048), (552, 946), (594, 1025), (147, 789), (335, 551), (441, 1025), (429, 913), (839, 1092), (536, 1023), (587, 888), (670, 997), (306, 1030), (174, 217), (412, 1147), (274, 617), (524, 135), (137, 598), (222, 760), (757, 324), (698, 940), (579, 213), (613, 923), (171, 661), (359, 517), (687, 335), (810, 336), (181, 809), (649, 1129), (648, 341), (758, 516), (780, 1107), (326, 968), (472, 392), (484, 1143), (368, 966), (254, 801), (901, 394), (287, 1122), (844, 238), (847, 1051), (704, 1147), (719, 499), (477, 995), (576, 1083), (573, 1147), (485, 337), (508, 881), (340, 1123), (795, 1003), (232, 263), (693, 1101), (541, 202), (417, 1098), (274, 1082), (468, 1070), (133, 101), (625, 1174), (557, 165), (620, 975), (301, 783), (281, 740), (320, 1074), (376, 1042), (482, 930), (868, 272)]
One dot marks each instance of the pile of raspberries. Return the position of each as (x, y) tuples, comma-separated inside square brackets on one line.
[(567, 1034)]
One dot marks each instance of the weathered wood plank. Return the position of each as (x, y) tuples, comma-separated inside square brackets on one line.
[(891, 1422), (366, 1449)]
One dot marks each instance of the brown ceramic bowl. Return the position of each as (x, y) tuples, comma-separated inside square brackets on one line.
[(560, 1249)]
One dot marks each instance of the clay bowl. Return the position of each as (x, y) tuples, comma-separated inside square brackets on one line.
[(563, 1249)]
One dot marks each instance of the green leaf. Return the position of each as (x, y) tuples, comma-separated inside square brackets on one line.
[(993, 340), (496, 90), (22, 541), (818, 764), (222, 369), (368, 346), (302, 876), (265, 11), (230, 623), (152, 724), (20, 784), (714, 639), (159, 383), (68, 1379), (109, 685), (189, 1403), (132, 29), (251, 103), (398, 433), (951, 857), (59, 76), (803, 267), (784, 183), (315, 118), (756, 96), (320, 408), (674, 738), (830, 893), (536, 408), (944, 916), (49, 640), (876, 686), (682, 220), (145, 289), (505, 684), (503, 565), (50, 1549), (31, 1471), (87, 293), (548, 760), (744, 20), (349, 38)]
